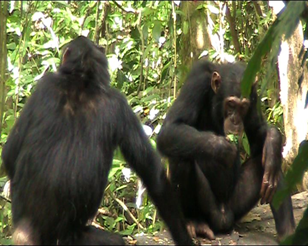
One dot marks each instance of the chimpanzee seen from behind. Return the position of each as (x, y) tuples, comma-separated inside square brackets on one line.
[(59, 153), (215, 190)]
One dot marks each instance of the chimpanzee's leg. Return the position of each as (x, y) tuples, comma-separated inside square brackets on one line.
[(284, 217), (219, 216), (183, 177), (247, 193), (204, 189), (247, 189)]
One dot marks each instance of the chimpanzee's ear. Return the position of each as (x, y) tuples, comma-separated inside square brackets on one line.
[(66, 54), (216, 81)]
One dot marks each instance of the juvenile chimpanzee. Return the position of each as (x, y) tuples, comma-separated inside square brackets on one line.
[(214, 189), (59, 153)]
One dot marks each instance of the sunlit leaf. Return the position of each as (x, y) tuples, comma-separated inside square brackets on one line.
[(284, 24), (157, 30), (145, 31), (185, 27)]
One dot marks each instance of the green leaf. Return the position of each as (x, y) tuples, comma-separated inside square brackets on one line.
[(121, 187), (294, 175), (201, 6), (147, 11), (157, 30), (147, 51), (11, 46), (121, 78), (246, 144), (165, 71), (180, 12), (285, 24), (149, 98), (113, 171), (145, 31), (129, 230), (185, 27), (135, 33), (109, 220), (300, 237), (5, 241), (148, 90)]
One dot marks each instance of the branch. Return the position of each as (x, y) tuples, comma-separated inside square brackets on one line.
[(123, 9), (174, 46), (96, 35), (233, 30), (102, 27), (142, 51), (5, 199), (95, 224), (104, 212), (122, 204), (258, 8), (87, 14)]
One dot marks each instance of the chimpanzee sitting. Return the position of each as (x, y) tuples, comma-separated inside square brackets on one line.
[(215, 190), (59, 153)]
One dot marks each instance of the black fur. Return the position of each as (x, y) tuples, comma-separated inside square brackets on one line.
[(59, 153), (205, 169)]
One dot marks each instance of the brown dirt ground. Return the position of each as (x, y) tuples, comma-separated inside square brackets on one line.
[(256, 228)]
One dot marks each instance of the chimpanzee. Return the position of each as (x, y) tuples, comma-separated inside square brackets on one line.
[(59, 153), (214, 189)]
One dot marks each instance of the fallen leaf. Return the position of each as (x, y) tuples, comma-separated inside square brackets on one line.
[(132, 242), (156, 239), (231, 242)]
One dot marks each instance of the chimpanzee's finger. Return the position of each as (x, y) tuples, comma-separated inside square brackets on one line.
[(263, 158), (191, 230), (205, 231), (273, 190), (264, 187), (268, 193)]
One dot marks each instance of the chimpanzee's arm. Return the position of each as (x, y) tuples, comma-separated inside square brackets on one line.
[(179, 137), (139, 153), (255, 126), (16, 137), (266, 141), (15, 140)]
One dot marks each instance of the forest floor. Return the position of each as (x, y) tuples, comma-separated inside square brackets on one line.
[(256, 228)]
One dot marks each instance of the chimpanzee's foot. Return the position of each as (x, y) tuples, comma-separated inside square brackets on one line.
[(200, 229)]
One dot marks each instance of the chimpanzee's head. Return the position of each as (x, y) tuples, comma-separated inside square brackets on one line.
[(225, 83), (82, 56)]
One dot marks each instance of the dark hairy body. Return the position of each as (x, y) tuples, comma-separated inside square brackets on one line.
[(214, 189), (59, 153)]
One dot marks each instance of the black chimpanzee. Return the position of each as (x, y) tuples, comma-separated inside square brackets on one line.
[(214, 189), (59, 153)]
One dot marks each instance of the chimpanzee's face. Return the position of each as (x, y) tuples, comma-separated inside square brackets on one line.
[(234, 108)]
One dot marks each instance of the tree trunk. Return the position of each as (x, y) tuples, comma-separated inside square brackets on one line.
[(195, 37), (3, 58), (293, 95), (234, 34)]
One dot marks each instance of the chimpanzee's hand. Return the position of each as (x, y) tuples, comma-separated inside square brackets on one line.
[(226, 151), (271, 161)]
